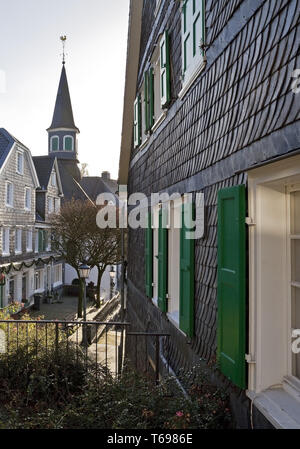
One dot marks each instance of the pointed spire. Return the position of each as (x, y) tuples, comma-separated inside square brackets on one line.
[(63, 113)]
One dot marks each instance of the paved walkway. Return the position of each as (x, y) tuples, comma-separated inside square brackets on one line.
[(66, 310)]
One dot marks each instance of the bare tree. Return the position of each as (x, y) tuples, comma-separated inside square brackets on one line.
[(77, 238)]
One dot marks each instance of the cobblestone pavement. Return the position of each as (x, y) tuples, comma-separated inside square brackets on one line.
[(65, 310)]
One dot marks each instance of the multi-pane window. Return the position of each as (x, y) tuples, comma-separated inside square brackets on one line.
[(54, 143), (27, 198), (53, 179), (50, 205), (294, 248), (9, 194), (5, 241), (58, 274), (18, 241), (56, 205), (193, 35), (29, 240), (68, 143), (20, 163)]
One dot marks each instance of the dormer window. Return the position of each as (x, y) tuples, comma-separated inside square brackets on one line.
[(20, 163), (68, 143), (54, 143)]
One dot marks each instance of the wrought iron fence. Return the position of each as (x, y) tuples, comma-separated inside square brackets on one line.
[(102, 346)]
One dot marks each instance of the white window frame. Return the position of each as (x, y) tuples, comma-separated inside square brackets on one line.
[(159, 112), (39, 285), (9, 203), (18, 241), (26, 205), (53, 179), (137, 124), (57, 276), (50, 207), (36, 241), (56, 205), (51, 143), (66, 137), (20, 154), (175, 211), (158, 3), (273, 389), (196, 54), (5, 241), (29, 240)]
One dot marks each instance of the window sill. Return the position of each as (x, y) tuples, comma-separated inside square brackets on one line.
[(188, 84), (57, 284), (174, 318), (159, 121), (17, 253), (5, 254), (278, 406)]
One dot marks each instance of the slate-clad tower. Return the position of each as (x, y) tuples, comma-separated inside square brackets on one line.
[(63, 131)]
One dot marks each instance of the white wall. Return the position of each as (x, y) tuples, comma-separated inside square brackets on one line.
[(71, 274)]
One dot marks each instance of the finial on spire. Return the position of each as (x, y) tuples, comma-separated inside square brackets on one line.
[(63, 40)]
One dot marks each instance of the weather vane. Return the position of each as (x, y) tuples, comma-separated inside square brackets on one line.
[(63, 40)]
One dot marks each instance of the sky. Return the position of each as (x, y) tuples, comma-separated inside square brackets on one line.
[(30, 66)]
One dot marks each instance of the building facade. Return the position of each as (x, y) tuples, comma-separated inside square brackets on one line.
[(211, 109)]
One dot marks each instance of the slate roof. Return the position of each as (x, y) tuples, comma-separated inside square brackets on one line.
[(7, 140), (43, 166), (63, 113), (94, 185)]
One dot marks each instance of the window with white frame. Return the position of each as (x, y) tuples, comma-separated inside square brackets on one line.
[(9, 194), (28, 198), (18, 241), (53, 179), (50, 205), (193, 37), (56, 205), (174, 260), (274, 290), (5, 241), (58, 274), (29, 241), (20, 163), (39, 280), (54, 143), (68, 143)]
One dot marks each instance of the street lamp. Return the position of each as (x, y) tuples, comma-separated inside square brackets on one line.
[(112, 275), (84, 272)]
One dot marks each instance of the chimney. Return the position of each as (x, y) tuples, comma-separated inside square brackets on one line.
[(105, 175)]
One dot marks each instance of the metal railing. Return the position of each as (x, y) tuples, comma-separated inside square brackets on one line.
[(101, 346)]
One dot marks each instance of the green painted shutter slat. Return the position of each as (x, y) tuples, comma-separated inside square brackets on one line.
[(146, 100), (187, 273), (151, 97), (162, 263), (232, 284), (1, 296), (149, 258)]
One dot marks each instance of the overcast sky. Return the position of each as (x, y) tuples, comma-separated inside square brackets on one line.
[(30, 59)]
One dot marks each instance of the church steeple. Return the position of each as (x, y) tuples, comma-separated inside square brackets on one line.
[(62, 132)]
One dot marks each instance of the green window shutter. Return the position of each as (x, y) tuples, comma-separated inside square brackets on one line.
[(149, 258), (146, 100), (165, 69), (162, 262), (232, 283), (187, 272), (137, 123), (45, 238), (151, 97)]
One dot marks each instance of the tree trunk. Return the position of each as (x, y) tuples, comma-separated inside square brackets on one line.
[(80, 296), (99, 278)]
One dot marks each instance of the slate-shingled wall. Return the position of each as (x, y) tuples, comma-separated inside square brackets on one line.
[(240, 111)]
